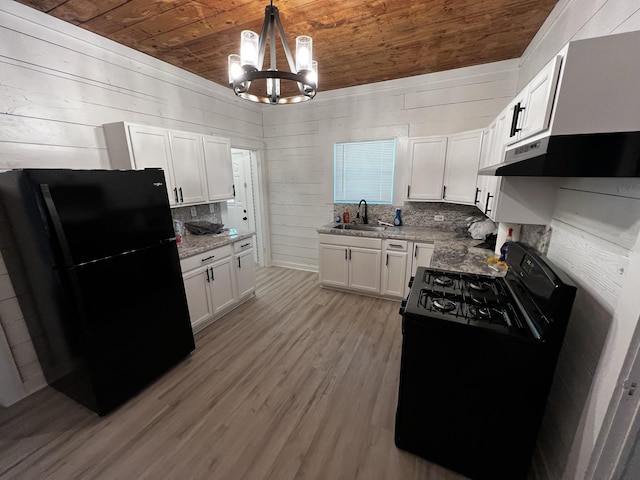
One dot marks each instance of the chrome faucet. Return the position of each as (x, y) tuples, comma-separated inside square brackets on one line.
[(365, 220)]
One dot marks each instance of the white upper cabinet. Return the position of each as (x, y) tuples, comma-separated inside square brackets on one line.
[(514, 118), (188, 167), (138, 147), (539, 99), (445, 168), (461, 167), (530, 111), (197, 167), (426, 178), (217, 156)]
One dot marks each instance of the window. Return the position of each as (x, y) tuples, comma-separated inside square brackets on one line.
[(364, 170)]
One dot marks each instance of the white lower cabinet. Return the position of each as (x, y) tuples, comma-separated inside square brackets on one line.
[(364, 269), (350, 262), (371, 265), (214, 284), (245, 267), (394, 273), (222, 285), (422, 255)]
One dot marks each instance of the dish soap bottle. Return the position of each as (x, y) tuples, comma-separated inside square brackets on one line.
[(398, 220), (345, 217)]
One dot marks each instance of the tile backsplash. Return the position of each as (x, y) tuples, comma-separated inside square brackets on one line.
[(203, 214), (415, 214)]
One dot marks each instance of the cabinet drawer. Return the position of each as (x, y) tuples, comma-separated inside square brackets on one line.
[(205, 258), (396, 245), (242, 245), (350, 241)]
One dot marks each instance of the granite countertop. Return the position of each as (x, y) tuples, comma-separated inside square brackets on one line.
[(452, 251), (195, 244)]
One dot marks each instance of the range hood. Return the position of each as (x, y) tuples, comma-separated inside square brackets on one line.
[(593, 127), (577, 155)]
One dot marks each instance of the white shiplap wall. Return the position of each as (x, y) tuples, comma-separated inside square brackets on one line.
[(58, 85), (595, 227), (300, 140)]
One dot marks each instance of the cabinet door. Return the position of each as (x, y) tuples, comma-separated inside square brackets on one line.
[(427, 168), (151, 149), (485, 160), (422, 254), (188, 167), (515, 114), (364, 269), (334, 265), (394, 274), (222, 285), (539, 99), (197, 290), (217, 156), (245, 273), (461, 168)]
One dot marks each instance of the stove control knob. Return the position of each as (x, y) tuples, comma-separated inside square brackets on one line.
[(403, 307), (411, 281)]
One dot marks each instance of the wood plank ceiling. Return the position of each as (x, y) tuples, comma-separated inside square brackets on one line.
[(355, 41)]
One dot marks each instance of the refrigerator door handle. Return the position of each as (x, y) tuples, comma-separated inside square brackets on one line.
[(57, 224)]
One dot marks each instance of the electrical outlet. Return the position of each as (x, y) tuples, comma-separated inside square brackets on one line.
[(211, 209), (438, 218), (194, 212)]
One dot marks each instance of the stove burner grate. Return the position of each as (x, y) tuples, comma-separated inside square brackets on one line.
[(443, 281), (444, 305)]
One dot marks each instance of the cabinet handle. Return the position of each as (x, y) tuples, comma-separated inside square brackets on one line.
[(475, 200), (415, 251), (175, 193), (444, 192), (208, 258), (212, 279), (387, 262), (408, 191), (234, 190), (181, 197), (207, 275), (239, 266), (345, 254), (349, 254), (245, 245), (517, 109), (395, 245), (486, 205)]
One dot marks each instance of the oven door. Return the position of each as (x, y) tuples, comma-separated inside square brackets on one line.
[(468, 398)]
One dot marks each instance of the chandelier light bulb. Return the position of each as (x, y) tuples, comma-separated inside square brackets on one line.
[(249, 48), (304, 52), (235, 67)]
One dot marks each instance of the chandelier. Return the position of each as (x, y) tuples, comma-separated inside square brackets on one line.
[(247, 67)]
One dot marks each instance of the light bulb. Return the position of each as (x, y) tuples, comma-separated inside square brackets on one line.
[(235, 67), (249, 48), (304, 53)]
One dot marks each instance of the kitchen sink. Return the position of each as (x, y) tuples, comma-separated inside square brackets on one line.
[(359, 226)]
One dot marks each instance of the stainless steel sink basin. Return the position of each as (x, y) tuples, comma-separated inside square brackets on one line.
[(359, 226)]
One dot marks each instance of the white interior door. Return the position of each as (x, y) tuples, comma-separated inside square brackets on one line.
[(238, 208), (241, 211)]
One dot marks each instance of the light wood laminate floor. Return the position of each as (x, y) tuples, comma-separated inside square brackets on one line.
[(298, 383)]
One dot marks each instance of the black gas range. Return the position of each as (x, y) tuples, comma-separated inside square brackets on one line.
[(478, 357)]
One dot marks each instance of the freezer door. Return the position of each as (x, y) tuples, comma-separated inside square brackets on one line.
[(93, 214), (135, 320)]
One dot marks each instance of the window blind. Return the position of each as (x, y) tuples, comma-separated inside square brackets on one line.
[(364, 170)]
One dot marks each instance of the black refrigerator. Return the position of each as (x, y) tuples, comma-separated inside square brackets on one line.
[(94, 262)]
